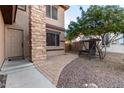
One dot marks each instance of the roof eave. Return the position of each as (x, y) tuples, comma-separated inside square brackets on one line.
[(65, 6), (9, 13)]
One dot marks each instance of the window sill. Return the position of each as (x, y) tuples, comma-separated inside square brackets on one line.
[(59, 49), (52, 18)]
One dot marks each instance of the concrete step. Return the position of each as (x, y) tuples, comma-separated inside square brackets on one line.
[(17, 68), (13, 65)]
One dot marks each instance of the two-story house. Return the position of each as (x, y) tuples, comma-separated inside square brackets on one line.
[(31, 32)]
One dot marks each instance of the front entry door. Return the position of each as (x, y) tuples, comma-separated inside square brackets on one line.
[(14, 43)]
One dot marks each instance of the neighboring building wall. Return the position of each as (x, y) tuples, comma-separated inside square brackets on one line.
[(1, 39), (38, 34), (76, 46), (22, 23)]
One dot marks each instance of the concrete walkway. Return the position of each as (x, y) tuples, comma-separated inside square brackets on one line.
[(54, 66), (23, 74)]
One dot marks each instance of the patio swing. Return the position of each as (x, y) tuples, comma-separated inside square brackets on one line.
[(95, 49)]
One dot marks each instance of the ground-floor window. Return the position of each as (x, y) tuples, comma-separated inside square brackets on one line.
[(52, 38)]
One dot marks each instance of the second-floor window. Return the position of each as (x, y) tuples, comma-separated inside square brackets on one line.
[(51, 12)]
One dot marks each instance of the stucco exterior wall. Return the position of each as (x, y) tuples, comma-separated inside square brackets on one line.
[(55, 53), (22, 23), (1, 39), (60, 21)]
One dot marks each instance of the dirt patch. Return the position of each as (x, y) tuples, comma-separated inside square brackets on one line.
[(108, 73)]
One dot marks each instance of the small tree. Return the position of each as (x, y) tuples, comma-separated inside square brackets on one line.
[(98, 21)]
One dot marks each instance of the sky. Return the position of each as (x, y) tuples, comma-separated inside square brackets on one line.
[(72, 13)]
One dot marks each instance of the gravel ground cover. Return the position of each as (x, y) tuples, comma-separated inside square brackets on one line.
[(85, 73)]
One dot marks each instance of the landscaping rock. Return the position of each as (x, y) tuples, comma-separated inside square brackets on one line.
[(85, 73)]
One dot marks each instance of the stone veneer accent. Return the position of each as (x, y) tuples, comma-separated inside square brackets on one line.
[(37, 33)]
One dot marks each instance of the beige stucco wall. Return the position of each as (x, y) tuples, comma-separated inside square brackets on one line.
[(55, 53), (1, 39), (22, 23), (60, 21)]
